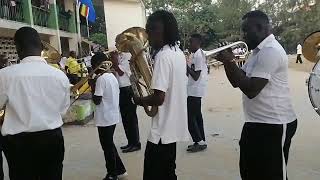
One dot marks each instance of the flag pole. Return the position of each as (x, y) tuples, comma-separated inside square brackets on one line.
[(79, 28)]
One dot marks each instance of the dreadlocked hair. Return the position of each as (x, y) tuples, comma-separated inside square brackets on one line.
[(170, 26)]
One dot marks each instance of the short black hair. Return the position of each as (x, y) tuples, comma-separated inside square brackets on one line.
[(72, 52), (27, 39), (97, 59), (259, 15), (170, 25), (197, 36)]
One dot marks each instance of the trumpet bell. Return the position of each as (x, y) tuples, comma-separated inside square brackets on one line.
[(311, 47)]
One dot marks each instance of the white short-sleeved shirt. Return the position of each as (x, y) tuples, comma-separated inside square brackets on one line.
[(169, 76), (273, 104), (107, 112), (299, 49), (36, 96), (124, 66), (199, 63)]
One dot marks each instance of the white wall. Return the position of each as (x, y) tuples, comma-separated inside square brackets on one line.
[(121, 15)]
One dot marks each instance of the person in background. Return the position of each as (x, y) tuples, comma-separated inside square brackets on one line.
[(36, 96), (105, 93), (169, 83), (127, 108), (73, 68), (3, 61), (197, 85), (63, 61), (299, 53)]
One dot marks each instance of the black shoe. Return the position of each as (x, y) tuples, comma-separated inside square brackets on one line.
[(132, 148), (109, 177), (197, 148), (190, 146), (125, 147)]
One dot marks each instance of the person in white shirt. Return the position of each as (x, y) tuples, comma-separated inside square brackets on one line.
[(127, 108), (3, 140), (36, 96), (63, 61), (169, 82), (105, 95), (197, 85), (299, 53), (270, 121)]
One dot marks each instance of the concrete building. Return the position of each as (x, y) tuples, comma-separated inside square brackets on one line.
[(121, 15), (54, 20)]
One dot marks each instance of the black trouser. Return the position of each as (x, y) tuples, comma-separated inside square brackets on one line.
[(299, 59), (36, 155), (195, 120), (160, 161), (264, 150), (114, 164), (129, 115)]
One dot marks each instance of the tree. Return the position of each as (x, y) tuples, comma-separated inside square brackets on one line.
[(220, 20), (99, 38)]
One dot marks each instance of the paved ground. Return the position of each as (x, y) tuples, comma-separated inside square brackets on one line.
[(223, 116)]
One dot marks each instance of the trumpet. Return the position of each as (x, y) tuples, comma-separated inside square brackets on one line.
[(234, 45)]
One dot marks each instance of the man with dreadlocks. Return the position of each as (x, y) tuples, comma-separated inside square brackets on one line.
[(169, 82)]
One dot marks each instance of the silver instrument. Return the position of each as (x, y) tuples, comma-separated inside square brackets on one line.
[(212, 53)]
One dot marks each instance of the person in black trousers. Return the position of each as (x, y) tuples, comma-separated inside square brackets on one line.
[(36, 96), (105, 95), (270, 120), (197, 83), (169, 83), (127, 108), (3, 64)]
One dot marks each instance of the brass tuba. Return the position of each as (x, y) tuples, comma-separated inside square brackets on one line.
[(135, 41), (50, 54)]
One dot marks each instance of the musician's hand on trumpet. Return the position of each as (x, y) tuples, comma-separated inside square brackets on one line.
[(226, 56)]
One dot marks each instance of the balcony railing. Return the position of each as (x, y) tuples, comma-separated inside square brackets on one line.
[(64, 21), (40, 16), (11, 10)]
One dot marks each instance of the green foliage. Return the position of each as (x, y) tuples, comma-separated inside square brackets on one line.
[(220, 20), (99, 38), (100, 25)]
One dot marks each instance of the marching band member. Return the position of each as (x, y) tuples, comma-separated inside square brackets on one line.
[(36, 96), (105, 91), (197, 85), (270, 119), (169, 82), (127, 108), (3, 147)]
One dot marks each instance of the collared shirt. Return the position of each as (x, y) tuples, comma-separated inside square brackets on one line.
[(170, 124), (107, 112), (124, 66), (273, 104), (299, 49), (198, 63), (35, 94)]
